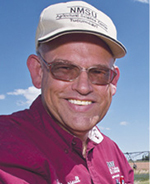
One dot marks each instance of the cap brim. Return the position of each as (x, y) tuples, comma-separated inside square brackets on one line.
[(116, 47)]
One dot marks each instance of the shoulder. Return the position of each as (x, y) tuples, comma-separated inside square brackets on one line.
[(11, 126), (109, 147), (13, 129), (15, 144), (21, 117), (111, 151), (13, 121)]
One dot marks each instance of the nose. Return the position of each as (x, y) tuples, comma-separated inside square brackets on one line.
[(82, 84)]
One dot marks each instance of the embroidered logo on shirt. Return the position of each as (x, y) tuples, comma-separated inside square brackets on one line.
[(77, 180), (112, 168)]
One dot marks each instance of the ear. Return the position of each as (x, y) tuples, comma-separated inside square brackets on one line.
[(35, 70), (115, 80)]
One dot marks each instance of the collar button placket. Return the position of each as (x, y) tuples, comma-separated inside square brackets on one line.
[(66, 151), (74, 143)]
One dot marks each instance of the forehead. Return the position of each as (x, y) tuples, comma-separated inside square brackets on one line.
[(75, 37), (77, 47)]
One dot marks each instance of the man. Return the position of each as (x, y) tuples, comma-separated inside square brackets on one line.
[(56, 141)]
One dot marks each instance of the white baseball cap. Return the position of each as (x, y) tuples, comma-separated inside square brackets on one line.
[(77, 17)]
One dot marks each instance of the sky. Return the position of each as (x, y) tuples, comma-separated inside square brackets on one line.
[(127, 121)]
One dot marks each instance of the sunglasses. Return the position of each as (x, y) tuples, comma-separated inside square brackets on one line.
[(66, 71)]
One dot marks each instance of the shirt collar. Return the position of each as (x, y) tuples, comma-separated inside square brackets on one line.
[(95, 135)]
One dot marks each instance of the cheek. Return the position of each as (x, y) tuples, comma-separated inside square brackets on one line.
[(105, 99), (52, 91), (108, 95)]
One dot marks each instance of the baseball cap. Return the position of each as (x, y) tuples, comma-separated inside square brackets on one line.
[(77, 17)]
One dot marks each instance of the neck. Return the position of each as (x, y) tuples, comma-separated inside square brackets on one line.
[(84, 147)]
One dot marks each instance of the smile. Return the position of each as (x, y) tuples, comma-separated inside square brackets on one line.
[(80, 102)]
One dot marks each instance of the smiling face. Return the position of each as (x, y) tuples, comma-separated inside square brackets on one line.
[(77, 105)]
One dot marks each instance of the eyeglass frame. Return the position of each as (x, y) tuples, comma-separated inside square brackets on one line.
[(48, 64)]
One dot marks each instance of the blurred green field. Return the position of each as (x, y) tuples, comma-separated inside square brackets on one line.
[(142, 182), (141, 178)]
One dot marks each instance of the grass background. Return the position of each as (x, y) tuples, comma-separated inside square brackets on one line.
[(141, 178)]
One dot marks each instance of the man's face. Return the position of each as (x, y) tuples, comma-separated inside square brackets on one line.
[(77, 105)]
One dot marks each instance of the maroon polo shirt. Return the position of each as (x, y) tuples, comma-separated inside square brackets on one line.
[(36, 150)]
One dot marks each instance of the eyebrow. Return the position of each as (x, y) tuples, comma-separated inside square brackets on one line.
[(73, 63)]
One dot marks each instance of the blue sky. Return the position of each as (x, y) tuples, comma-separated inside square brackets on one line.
[(127, 121)]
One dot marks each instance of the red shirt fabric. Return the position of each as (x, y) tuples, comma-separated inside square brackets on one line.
[(36, 150)]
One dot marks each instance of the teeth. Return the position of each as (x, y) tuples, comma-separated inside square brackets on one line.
[(79, 102)]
